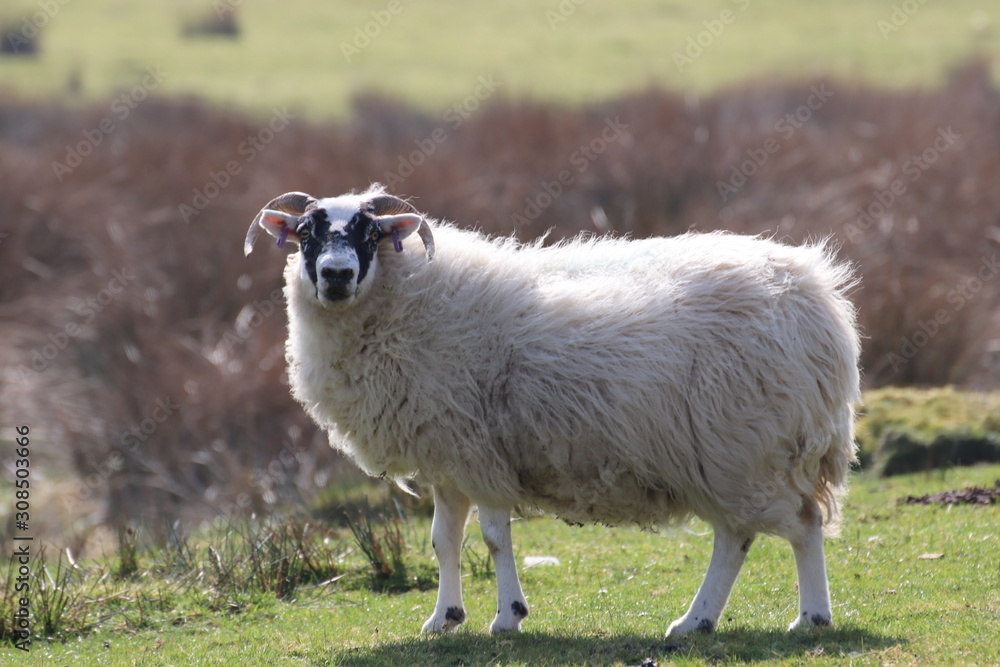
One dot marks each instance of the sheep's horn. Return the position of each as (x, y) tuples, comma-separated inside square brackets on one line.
[(295, 203), (391, 205), (427, 237)]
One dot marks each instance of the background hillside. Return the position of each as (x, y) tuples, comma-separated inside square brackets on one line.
[(316, 56)]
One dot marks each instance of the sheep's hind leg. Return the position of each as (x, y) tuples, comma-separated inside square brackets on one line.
[(728, 553), (814, 593), (512, 608), (451, 511)]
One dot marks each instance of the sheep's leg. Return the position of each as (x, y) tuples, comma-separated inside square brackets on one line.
[(512, 608), (451, 511), (814, 594), (728, 553)]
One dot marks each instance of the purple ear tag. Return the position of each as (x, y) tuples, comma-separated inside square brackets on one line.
[(396, 243), (283, 237)]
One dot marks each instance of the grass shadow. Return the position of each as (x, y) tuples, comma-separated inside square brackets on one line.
[(539, 648)]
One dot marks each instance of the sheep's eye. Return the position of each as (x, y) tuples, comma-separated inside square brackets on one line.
[(303, 232), (375, 235)]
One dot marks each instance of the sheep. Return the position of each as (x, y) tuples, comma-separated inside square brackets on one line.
[(600, 380)]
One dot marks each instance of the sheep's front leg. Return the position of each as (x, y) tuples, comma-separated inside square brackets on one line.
[(451, 511), (728, 553), (512, 608)]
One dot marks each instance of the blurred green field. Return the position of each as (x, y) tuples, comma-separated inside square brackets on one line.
[(315, 55)]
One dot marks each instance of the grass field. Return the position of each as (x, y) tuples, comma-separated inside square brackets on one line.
[(315, 56), (910, 584)]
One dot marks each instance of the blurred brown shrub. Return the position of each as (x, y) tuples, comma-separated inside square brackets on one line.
[(124, 294)]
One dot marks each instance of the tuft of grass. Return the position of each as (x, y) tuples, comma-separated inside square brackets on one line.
[(274, 557), (128, 552), (909, 430), (245, 566), (62, 596), (380, 538), (479, 564), (9, 597)]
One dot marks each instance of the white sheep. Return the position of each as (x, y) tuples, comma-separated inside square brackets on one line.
[(599, 380)]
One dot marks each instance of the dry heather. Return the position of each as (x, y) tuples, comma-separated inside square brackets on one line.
[(145, 351)]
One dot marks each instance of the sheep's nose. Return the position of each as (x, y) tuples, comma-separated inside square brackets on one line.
[(337, 275)]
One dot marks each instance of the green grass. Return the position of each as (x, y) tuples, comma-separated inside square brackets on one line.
[(608, 603), (433, 53)]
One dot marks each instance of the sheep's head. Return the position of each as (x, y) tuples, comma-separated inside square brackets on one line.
[(340, 238)]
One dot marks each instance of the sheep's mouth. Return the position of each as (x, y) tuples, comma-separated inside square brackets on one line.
[(336, 295)]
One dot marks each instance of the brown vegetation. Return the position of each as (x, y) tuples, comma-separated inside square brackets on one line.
[(972, 495), (143, 348)]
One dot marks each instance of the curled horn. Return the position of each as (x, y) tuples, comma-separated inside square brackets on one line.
[(390, 205), (295, 203)]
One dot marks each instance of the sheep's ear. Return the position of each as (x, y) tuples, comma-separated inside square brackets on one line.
[(398, 227), (402, 224), (279, 224)]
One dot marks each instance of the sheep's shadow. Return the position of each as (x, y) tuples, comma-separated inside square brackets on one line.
[(740, 646)]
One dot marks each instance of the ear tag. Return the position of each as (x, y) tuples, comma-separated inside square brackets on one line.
[(396, 243), (283, 237)]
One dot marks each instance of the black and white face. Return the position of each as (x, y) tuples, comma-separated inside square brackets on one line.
[(340, 239), (339, 252)]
